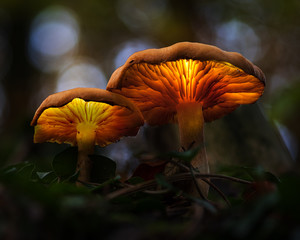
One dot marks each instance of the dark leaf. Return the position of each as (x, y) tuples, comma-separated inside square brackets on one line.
[(259, 174), (23, 170), (185, 156), (113, 182), (161, 180), (64, 163), (46, 177), (73, 178), (65, 188), (148, 172), (103, 168), (164, 183), (135, 180)]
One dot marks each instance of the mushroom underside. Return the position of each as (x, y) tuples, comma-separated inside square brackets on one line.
[(61, 124), (157, 89)]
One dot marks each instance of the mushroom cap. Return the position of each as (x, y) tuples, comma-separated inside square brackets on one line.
[(110, 115), (157, 80)]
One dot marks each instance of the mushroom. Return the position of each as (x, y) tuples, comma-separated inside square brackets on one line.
[(188, 83), (85, 117)]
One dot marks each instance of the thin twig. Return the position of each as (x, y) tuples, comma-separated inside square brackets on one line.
[(174, 178), (187, 176), (88, 183), (147, 191), (156, 191), (220, 176), (139, 187), (191, 170), (196, 183), (182, 166)]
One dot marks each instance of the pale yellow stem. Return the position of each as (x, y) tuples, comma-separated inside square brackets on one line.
[(85, 141), (191, 123)]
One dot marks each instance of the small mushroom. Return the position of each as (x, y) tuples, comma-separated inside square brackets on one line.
[(85, 117), (188, 83)]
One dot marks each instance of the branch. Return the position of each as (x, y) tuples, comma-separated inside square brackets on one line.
[(174, 178)]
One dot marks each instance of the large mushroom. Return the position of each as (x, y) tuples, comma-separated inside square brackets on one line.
[(188, 83), (85, 117)]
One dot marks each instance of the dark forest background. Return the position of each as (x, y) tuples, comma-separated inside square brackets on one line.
[(49, 46)]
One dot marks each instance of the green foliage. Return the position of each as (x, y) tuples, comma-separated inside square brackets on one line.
[(103, 168), (22, 170), (185, 156), (48, 203), (161, 180), (45, 203), (259, 174), (64, 163)]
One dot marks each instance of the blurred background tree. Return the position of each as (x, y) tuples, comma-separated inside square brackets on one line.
[(49, 46)]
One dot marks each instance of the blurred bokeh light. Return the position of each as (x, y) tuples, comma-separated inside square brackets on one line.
[(289, 140), (81, 73), (128, 48), (236, 36), (54, 35)]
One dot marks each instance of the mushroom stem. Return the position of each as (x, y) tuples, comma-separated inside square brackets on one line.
[(190, 123), (85, 141)]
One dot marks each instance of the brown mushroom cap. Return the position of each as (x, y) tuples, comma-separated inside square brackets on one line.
[(157, 80), (111, 116)]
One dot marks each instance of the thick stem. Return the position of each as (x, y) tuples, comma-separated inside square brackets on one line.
[(85, 141), (190, 123)]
